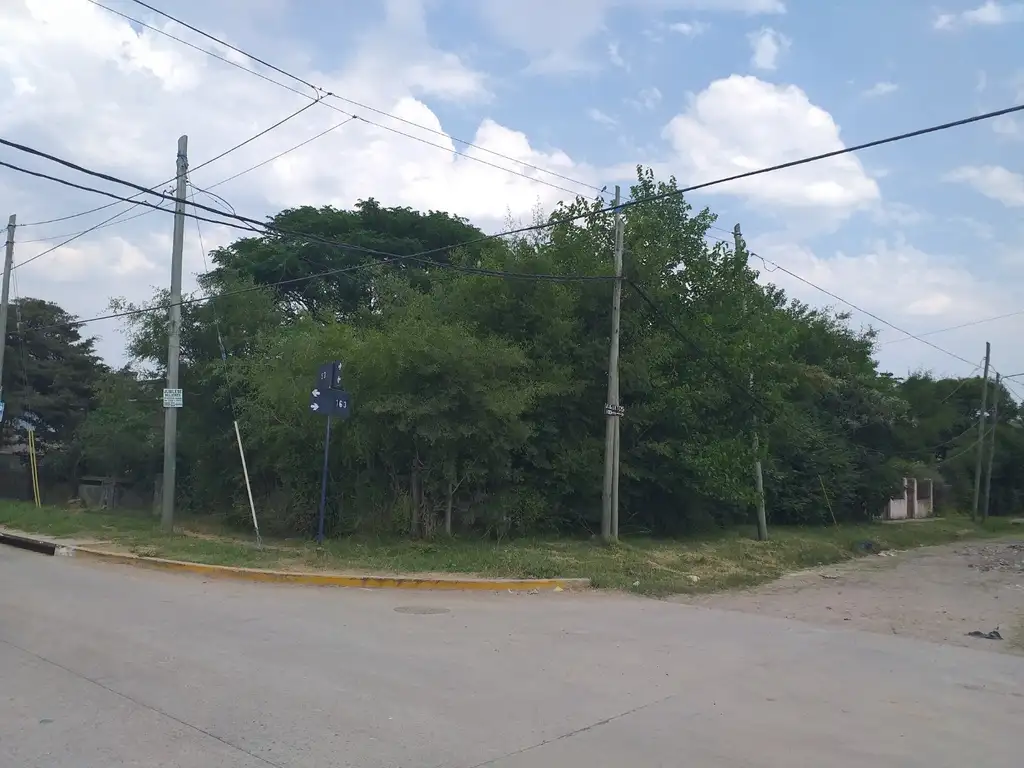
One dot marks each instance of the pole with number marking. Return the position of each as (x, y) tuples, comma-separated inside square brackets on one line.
[(174, 339)]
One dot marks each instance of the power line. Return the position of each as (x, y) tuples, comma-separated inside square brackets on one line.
[(110, 222), (264, 228), (203, 164), (956, 327), (850, 304), (279, 155), (747, 174), (321, 92)]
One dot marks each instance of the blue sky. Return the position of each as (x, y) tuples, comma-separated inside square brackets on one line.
[(926, 233)]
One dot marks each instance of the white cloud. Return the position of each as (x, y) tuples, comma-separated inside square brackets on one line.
[(994, 182), (910, 288), (689, 28), (766, 46), (615, 57), (601, 118), (990, 13), (881, 89), (552, 33), (1009, 127), (741, 124), (81, 83), (648, 98)]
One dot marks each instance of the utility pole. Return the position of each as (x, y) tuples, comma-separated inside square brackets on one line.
[(991, 448), (174, 339), (762, 519), (610, 490), (981, 433), (5, 297)]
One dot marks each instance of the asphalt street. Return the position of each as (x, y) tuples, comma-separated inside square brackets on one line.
[(106, 666)]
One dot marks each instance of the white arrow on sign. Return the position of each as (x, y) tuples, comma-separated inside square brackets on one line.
[(314, 407), (316, 393)]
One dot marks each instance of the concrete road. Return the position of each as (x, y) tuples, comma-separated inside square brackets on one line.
[(106, 666)]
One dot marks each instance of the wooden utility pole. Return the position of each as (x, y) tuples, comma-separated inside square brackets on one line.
[(5, 296), (612, 410), (174, 339), (991, 448), (981, 433), (762, 517)]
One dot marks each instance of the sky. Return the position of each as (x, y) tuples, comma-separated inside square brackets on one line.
[(566, 97)]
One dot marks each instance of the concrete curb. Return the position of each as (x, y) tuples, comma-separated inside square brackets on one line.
[(288, 577), (24, 542)]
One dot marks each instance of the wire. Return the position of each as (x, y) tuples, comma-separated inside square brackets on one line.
[(963, 382), (279, 155), (779, 267), (203, 164), (265, 228), (72, 238), (110, 222), (969, 448), (956, 327), (321, 93), (324, 92)]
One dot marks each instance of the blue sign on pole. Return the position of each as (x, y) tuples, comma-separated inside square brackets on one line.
[(327, 398), (329, 402), (1, 410), (329, 376)]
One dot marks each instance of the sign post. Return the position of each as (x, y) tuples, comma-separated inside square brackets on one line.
[(327, 398)]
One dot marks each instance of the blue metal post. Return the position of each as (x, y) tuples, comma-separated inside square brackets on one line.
[(323, 483)]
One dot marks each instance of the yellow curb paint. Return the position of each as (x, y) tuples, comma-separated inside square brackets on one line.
[(330, 579)]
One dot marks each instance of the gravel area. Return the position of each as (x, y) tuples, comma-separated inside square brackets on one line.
[(939, 594)]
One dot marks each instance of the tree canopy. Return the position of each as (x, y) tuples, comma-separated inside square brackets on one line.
[(478, 398)]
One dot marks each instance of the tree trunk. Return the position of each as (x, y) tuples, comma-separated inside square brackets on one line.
[(448, 508), (414, 492)]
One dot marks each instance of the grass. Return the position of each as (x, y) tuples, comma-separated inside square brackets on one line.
[(648, 566)]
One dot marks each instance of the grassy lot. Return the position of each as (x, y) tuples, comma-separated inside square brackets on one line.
[(649, 566)]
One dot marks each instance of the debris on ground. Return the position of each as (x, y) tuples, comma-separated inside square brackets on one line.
[(868, 547), (993, 635), (1004, 556), (828, 575)]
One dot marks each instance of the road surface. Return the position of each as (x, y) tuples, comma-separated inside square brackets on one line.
[(106, 665)]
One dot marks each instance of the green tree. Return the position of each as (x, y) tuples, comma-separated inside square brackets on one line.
[(49, 374)]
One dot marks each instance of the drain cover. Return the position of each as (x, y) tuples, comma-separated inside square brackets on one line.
[(420, 610)]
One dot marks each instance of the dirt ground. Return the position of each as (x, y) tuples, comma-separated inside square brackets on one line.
[(935, 593)]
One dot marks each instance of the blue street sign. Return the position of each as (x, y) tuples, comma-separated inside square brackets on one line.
[(1, 410), (327, 398), (329, 376), (330, 402)]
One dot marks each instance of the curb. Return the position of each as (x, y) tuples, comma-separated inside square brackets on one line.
[(32, 545), (453, 583)]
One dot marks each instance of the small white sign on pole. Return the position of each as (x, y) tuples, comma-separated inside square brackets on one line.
[(173, 398)]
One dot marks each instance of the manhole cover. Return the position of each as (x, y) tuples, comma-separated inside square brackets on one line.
[(421, 610)]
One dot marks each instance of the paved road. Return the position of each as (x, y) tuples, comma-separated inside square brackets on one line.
[(109, 666)]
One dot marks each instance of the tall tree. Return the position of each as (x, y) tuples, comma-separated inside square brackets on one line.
[(49, 373)]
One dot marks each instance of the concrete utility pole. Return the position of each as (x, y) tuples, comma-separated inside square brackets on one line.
[(981, 433), (5, 297), (991, 448), (762, 519), (610, 490), (174, 339)]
